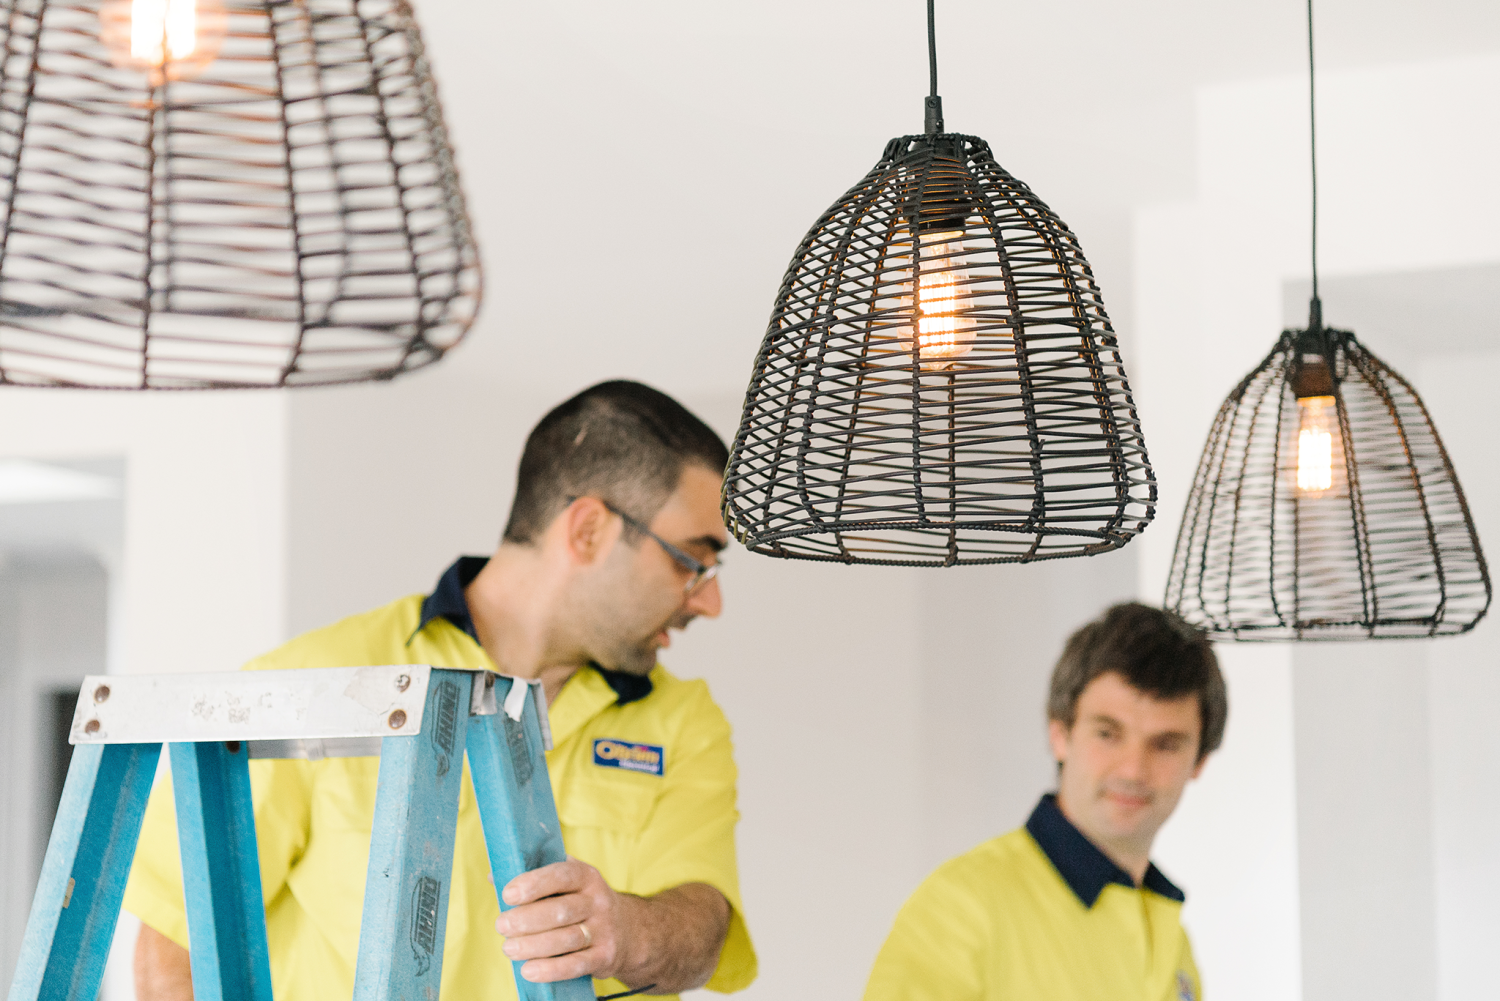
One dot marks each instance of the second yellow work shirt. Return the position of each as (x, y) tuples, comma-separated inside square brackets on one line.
[(1039, 914), (644, 832)]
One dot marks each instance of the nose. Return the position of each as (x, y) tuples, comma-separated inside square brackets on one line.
[(1131, 764), (707, 601)]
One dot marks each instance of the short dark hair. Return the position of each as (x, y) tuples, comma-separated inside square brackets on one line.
[(621, 441), (1158, 652)]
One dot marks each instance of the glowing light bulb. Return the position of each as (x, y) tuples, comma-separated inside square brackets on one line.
[(1317, 438), (943, 331), (166, 39)]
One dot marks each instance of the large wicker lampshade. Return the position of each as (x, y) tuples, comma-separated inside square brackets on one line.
[(196, 194), (939, 383), (1325, 506)]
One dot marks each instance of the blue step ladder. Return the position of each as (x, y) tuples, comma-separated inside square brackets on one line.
[(420, 720)]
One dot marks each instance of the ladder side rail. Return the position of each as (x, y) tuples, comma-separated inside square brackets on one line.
[(408, 882), (77, 902), (221, 883), (508, 765)]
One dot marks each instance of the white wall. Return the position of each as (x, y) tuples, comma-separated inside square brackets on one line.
[(1232, 845), (1464, 692), (201, 571), (1378, 751)]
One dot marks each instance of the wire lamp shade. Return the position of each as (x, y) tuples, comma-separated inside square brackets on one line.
[(939, 384), (1325, 507), (200, 195)]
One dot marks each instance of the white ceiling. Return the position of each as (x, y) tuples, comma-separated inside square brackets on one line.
[(640, 173)]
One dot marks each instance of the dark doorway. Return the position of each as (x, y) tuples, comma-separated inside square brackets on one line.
[(56, 754)]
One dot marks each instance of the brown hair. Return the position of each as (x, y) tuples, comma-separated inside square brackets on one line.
[(1157, 652), (620, 441)]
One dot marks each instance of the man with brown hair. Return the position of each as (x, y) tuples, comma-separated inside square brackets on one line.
[(1069, 907)]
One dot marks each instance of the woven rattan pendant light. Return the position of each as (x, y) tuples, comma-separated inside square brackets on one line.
[(199, 194), (1325, 506), (939, 384)]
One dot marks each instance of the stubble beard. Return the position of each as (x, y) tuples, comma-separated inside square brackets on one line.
[(637, 660), (639, 657)]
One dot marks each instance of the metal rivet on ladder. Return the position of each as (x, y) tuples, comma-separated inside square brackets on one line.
[(101, 693), (397, 719), (92, 726)]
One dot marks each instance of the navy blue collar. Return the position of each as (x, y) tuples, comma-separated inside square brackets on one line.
[(447, 601), (1085, 869)]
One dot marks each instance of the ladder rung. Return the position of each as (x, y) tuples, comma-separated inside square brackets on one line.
[(316, 749)]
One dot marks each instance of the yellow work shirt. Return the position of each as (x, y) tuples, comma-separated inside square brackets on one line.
[(1039, 913), (644, 832)]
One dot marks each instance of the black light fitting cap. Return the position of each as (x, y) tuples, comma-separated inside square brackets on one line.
[(1313, 376), (943, 215), (1315, 339), (936, 195), (934, 114), (1313, 373)]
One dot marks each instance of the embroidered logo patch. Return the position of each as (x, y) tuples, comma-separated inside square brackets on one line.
[(610, 753)]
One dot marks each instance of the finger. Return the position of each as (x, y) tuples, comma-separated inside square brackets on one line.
[(574, 964), (544, 915), (549, 880), (559, 942)]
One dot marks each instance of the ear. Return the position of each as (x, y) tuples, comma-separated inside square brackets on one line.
[(589, 530), (1057, 736), (1198, 768)]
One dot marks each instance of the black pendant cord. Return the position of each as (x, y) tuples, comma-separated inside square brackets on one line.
[(1315, 318), (932, 47), (934, 104)]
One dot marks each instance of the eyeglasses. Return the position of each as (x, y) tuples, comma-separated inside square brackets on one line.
[(701, 572)]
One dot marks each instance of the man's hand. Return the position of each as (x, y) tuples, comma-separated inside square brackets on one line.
[(567, 922), (162, 972)]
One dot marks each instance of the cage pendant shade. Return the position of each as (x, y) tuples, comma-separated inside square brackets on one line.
[(939, 384), (1362, 534), (268, 199)]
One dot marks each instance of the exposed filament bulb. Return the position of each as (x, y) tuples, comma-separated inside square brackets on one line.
[(163, 29), (943, 332), (1317, 441), (167, 39)]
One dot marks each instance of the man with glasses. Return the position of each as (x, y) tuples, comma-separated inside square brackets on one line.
[(613, 541)]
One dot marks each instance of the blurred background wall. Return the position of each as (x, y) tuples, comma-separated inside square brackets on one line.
[(639, 175)]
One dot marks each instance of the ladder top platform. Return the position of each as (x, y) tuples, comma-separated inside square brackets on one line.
[(305, 713)]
